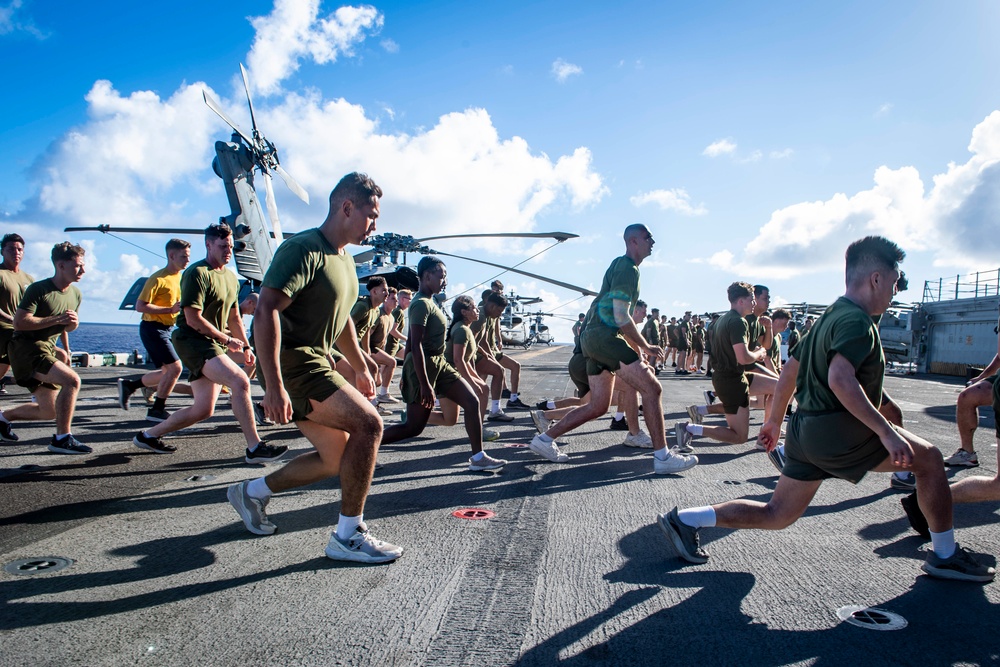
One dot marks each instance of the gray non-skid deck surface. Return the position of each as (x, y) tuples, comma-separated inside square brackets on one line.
[(571, 570)]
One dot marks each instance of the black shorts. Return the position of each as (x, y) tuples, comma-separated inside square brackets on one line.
[(155, 338)]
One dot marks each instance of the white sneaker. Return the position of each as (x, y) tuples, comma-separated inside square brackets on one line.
[(499, 416), (362, 547), (541, 423), (386, 398), (675, 462), (640, 440), (696, 417), (490, 434), (487, 462), (549, 450), (683, 438)]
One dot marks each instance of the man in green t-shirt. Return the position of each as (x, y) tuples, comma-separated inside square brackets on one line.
[(605, 341), (13, 282), (383, 349), (49, 309), (837, 372), (487, 330), (731, 340), (365, 316), (399, 329), (312, 273), (209, 325)]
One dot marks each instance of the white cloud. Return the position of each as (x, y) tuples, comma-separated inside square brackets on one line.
[(294, 30), (883, 110), (782, 154), (755, 156), (676, 199), (563, 70), (955, 220), (720, 147), (390, 45), (12, 20)]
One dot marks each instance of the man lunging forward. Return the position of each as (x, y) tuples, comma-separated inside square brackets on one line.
[(311, 275)]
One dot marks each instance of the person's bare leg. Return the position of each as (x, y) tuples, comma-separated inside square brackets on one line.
[(789, 501), (461, 393), (601, 388), (447, 416), (222, 370), (205, 394), (68, 382), (967, 407), (42, 409), (629, 404), (735, 433), (515, 372), (640, 376), (933, 494)]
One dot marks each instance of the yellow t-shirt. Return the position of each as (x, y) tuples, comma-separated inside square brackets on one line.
[(162, 289)]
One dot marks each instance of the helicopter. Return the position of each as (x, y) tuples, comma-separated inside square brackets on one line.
[(236, 163)]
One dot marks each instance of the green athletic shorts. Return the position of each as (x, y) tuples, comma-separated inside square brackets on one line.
[(5, 336), (306, 373), (440, 374), (578, 374), (28, 357), (194, 350), (606, 350), (821, 445), (733, 391)]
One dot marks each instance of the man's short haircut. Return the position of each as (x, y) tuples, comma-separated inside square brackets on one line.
[(392, 291), (870, 254), (11, 238), (354, 187), (375, 281), (902, 284), (634, 230), (792, 325), (65, 251), (497, 298), (496, 286), (738, 290), (485, 294), (582, 315), (781, 314), (428, 263), (656, 311), (758, 290), (641, 304), (404, 292), (177, 244), (219, 230)]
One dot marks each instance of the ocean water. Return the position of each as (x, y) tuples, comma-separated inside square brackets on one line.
[(100, 338)]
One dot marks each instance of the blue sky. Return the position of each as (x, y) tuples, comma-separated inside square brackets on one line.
[(755, 141)]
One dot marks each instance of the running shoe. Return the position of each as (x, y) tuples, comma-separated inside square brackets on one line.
[(777, 457), (960, 565), (918, 522), (68, 445), (542, 405), (963, 458), (709, 396), (3, 385), (681, 371), (250, 509), (640, 440), (683, 537), (516, 404), (124, 394), (549, 450), (618, 424), (149, 394), (696, 417), (152, 444), (485, 463), (499, 416), (674, 463), (382, 410), (7, 431), (908, 483), (542, 424), (387, 398), (362, 547), (265, 453), (490, 434), (683, 438), (154, 415), (258, 415)]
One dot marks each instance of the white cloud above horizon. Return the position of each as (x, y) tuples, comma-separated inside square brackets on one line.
[(563, 70), (720, 147), (676, 199)]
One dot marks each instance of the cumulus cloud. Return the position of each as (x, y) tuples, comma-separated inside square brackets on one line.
[(294, 30), (563, 70), (955, 219), (390, 45), (720, 147), (676, 199), (782, 154)]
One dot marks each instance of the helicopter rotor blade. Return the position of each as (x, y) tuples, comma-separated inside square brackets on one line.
[(292, 184), (365, 256), (108, 229), (272, 209), (214, 106), (582, 290), (558, 236), (246, 87)]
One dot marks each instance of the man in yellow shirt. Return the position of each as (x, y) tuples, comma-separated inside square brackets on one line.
[(159, 302)]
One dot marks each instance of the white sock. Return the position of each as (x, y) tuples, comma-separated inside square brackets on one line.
[(544, 438), (478, 456), (701, 409), (697, 517), (347, 525), (551, 405), (944, 543), (60, 436), (901, 475), (258, 488), (496, 406), (662, 454), (382, 391), (254, 448), (513, 396), (619, 416), (696, 429)]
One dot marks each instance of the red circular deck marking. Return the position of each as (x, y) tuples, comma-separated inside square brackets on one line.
[(514, 444), (473, 514)]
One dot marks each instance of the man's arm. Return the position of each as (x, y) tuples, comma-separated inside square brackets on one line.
[(623, 319), (771, 430), (267, 338), (195, 320), (25, 321), (148, 308), (347, 343), (745, 357)]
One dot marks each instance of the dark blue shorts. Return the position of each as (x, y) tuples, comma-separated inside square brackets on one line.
[(156, 339)]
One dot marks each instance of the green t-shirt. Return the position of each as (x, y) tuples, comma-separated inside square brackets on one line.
[(461, 334), (621, 282), (845, 329), (424, 312), (485, 328), (364, 316), (12, 287), (323, 286), (775, 352), (392, 343), (755, 330), (651, 332), (212, 291), (729, 330), (44, 299)]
